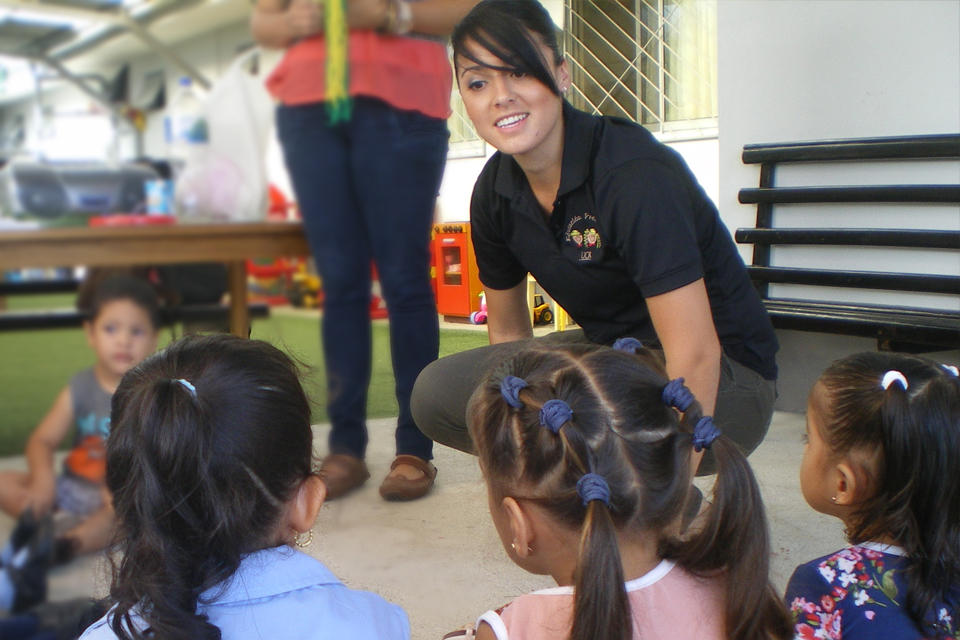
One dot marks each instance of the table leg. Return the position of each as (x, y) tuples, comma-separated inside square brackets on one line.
[(239, 314)]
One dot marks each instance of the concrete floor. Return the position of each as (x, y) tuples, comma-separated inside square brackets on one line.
[(440, 557)]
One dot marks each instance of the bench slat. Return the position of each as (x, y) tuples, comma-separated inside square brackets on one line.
[(918, 283), (921, 326), (906, 147), (936, 193), (71, 318), (28, 287), (914, 239)]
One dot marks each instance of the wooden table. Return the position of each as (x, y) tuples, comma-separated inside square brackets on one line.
[(232, 243)]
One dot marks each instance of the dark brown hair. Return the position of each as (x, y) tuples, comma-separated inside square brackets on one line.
[(123, 287), (622, 430), (200, 477), (512, 30), (908, 441)]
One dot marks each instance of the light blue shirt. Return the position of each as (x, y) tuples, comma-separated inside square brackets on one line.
[(283, 593)]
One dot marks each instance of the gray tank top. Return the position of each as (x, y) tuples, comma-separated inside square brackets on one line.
[(91, 406)]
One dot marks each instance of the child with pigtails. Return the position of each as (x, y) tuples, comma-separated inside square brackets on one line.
[(586, 452)]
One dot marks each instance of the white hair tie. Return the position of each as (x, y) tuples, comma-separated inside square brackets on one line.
[(952, 370), (188, 386), (892, 375)]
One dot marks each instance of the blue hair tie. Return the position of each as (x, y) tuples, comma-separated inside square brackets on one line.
[(188, 386), (554, 414), (593, 487), (510, 389), (676, 395), (630, 345), (952, 370), (704, 433)]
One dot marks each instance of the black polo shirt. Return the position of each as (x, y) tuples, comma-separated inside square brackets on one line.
[(630, 222)]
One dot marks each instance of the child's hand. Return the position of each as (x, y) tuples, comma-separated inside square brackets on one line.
[(41, 494), (304, 18)]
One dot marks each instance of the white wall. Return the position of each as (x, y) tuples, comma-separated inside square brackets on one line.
[(793, 70)]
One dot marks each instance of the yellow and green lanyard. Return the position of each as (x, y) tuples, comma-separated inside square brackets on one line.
[(337, 92)]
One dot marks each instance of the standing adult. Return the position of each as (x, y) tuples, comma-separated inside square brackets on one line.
[(366, 179), (611, 223)]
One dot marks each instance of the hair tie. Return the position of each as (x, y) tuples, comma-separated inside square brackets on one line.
[(630, 345), (593, 487), (554, 414), (510, 389), (705, 433), (952, 370), (677, 395), (890, 376), (188, 386)]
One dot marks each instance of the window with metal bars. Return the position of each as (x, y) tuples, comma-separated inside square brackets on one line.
[(653, 61)]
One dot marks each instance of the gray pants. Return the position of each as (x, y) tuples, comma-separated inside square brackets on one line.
[(744, 408)]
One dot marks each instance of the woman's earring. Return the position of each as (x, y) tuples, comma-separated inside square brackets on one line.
[(302, 545), (832, 499)]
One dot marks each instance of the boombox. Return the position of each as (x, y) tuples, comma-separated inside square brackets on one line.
[(56, 193)]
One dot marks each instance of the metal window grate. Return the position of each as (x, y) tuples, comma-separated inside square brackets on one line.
[(652, 61)]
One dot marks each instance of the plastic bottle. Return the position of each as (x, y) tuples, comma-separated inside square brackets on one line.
[(187, 142)]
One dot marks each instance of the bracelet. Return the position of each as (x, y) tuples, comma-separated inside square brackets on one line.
[(390, 18), (404, 17)]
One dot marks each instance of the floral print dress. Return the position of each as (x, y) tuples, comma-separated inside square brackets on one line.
[(858, 593)]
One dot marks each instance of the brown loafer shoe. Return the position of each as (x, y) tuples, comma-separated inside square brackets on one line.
[(342, 474), (398, 488)]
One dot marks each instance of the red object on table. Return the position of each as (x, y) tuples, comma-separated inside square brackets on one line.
[(129, 220)]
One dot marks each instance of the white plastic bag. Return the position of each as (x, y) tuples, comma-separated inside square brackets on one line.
[(228, 180)]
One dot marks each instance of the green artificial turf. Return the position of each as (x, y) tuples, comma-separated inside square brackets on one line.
[(36, 365)]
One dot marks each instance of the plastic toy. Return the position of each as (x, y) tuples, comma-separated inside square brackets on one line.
[(480, 317), (541, 311)]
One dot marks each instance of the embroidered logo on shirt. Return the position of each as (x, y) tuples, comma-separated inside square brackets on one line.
[(582, 233)]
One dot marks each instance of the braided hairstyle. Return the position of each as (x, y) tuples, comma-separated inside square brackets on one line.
[(906, 438), (622, 430), (210, 440)]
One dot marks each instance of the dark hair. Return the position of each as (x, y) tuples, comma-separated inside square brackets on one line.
[(909, 441), (622, 430), (200, 478), (123, 287), (512, 30)]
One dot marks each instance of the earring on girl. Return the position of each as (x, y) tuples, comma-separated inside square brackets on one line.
[(302, 545), (514, 547)]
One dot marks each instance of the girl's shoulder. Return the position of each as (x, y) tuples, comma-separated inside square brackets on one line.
[(856, 592)]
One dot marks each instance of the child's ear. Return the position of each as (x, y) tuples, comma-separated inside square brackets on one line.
[(848, 488), (520, 527), (306, 504)]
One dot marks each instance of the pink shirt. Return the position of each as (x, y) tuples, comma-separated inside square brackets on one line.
[(408, 73), (668, 603)]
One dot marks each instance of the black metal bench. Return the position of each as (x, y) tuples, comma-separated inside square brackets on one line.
[(899, 328), (71, 318)]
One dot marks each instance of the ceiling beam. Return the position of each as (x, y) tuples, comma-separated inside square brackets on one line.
[(122, 21)]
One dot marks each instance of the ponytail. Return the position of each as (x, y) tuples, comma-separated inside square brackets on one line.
[(601, 608), (164, 554), (731, 540)]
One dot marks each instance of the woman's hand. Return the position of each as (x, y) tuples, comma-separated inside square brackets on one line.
[(304, 18), (276, 24), (367, 14)]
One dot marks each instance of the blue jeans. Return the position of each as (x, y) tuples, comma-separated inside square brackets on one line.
[(367, 189)]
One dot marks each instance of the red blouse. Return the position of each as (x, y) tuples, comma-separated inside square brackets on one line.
[(408, 73)]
